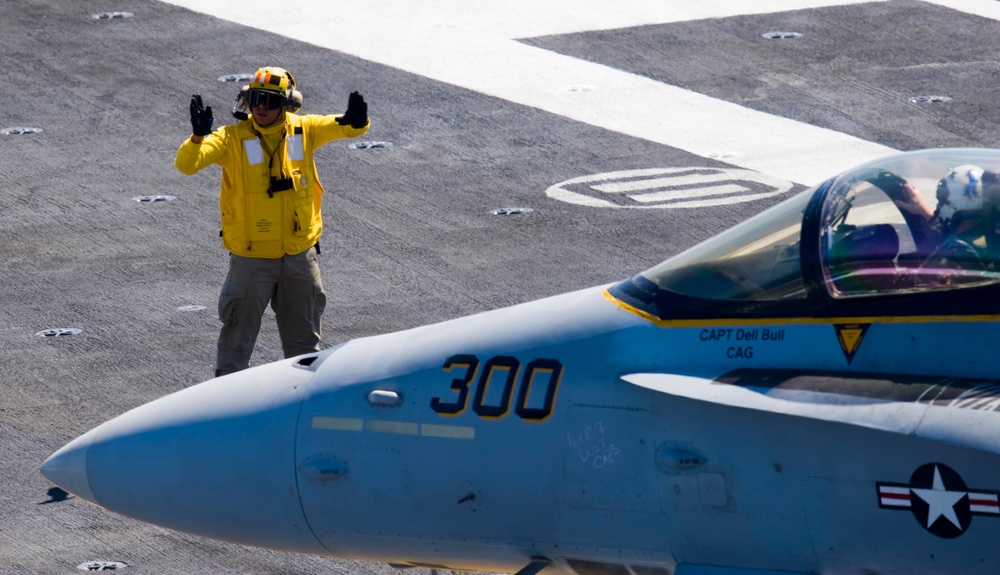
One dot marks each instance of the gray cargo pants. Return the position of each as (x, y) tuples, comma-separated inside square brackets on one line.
[(292, 286)]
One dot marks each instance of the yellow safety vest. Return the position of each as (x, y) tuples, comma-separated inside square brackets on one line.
[(271, 198)]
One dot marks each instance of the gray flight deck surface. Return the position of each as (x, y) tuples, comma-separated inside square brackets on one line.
[(410, 238)]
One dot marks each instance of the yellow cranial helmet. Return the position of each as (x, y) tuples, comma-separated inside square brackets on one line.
[(272, 86), (273, 79)]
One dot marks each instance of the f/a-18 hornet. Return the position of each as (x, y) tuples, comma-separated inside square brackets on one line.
[(812, 391)]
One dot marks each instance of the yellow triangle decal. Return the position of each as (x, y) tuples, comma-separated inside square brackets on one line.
[(851, 337)]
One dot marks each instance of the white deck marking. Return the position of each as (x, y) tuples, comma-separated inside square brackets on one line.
[(699, 181), (473, 45), (985, 8)]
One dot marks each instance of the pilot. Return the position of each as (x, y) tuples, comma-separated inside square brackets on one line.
[(270, 204), (960, 201), (958, 222)]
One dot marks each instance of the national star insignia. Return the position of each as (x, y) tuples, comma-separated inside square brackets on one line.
[(939, 500)]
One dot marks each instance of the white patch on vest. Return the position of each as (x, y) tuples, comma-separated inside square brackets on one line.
[(255, 155), (295, 151)]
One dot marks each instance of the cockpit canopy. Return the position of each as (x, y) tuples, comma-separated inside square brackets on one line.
[(915, 222)]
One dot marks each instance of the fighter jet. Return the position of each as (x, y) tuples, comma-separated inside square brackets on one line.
[(811, 391)]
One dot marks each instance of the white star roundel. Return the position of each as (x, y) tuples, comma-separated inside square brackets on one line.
[(939, 500)]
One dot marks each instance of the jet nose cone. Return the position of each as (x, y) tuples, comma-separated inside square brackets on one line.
[(67, 468), (216, 459)]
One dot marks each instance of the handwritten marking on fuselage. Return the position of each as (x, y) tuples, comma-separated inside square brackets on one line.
[(741, 336), (592, 446)]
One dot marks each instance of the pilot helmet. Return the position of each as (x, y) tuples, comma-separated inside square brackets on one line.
[(960, 191), (274, 87)]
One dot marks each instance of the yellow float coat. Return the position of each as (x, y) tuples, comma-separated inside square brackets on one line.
[(257, 224)]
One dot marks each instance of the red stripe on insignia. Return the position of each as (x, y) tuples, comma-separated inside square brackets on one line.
[(894, 491), (984, 503), (894, 496)]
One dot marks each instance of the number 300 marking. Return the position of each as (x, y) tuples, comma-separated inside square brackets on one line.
[(502, 371)]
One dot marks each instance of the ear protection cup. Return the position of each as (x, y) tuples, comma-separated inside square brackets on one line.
[(294, 101), (240, 109), (292, 95)]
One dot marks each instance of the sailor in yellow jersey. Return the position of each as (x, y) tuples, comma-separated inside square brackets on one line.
[(270, 203)]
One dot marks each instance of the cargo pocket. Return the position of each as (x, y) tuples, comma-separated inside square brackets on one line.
[(303, 219), (232, 294)]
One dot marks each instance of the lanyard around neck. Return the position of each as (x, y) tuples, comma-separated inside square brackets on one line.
[(274, 184)]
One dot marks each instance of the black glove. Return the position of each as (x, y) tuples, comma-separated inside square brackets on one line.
[(357, 112), (201, 117)]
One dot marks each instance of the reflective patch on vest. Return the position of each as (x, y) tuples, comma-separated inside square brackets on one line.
[(255, 154), (295, 151)]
